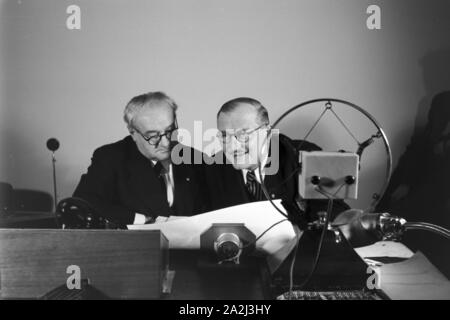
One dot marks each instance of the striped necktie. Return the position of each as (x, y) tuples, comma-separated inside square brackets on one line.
[(254, 187)]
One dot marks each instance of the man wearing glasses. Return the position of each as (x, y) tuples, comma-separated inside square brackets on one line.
[(133, 181), (253, 153), (250, 152)]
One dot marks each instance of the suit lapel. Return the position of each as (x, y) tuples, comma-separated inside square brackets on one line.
[(287, 160), (144, 183), (236, 185), (183, 178)]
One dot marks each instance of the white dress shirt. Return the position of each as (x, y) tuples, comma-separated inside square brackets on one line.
[(170, 188)]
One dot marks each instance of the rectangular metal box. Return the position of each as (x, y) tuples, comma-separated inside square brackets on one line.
[(332, 168)]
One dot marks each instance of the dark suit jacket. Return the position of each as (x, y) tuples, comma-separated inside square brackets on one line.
[(121, 182), (227, 187)]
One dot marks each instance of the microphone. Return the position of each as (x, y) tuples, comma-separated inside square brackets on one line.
[(53, 145), (362, 228), (388, 227), (228, 247)]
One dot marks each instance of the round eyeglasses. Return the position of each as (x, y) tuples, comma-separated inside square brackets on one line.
[(242, 135), (155, 139)]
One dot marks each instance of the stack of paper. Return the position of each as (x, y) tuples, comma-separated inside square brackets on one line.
[(184, 233)]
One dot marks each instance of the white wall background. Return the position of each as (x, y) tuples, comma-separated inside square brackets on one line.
[(73, 85)]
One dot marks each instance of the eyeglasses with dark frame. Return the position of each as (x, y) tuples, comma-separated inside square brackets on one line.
[(154, 140), (240, 135)]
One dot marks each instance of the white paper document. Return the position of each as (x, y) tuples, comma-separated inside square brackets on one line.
[(385, 249), (184, 233)]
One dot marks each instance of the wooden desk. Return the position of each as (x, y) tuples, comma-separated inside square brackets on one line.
[(196, 281), (411, 279)]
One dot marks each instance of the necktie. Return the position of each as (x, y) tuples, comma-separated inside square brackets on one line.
[(165, 181), (254, 187)]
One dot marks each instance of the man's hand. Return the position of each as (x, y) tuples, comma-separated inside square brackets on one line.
[(149, 219), (160, 219), (139, 218), (143, 219), (166, 219)]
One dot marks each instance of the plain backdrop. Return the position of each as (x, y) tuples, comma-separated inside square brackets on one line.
[(74, 84)]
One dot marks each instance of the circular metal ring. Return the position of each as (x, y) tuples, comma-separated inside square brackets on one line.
[(376, 196)]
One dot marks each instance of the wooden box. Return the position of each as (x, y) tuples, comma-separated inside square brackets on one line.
[(122, 264)]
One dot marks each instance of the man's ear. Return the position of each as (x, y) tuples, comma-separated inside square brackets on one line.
[(131, 131)]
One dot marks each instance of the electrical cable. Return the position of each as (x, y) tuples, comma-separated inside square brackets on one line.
[(319, 249)]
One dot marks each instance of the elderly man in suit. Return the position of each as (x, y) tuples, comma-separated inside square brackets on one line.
[(134, 180), (252, 153)]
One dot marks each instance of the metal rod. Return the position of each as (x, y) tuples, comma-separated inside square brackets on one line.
[(54, 180)]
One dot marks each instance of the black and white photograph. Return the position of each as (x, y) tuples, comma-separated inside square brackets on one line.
[(225, 155)]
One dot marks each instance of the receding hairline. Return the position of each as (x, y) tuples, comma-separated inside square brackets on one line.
[(238, 107), (261, 113)]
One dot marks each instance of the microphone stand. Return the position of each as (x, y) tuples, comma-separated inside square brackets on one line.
[(54, 180)]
